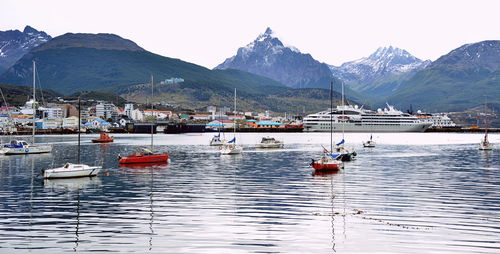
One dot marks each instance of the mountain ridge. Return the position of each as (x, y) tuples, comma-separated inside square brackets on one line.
[(14, 44)]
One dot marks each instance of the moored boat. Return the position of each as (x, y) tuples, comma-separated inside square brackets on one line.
[(327, 162), (146, 156), (217, 140), (369, 143), (270, 142), (16, 147), (103, 138), (231, 148), (71, 170)]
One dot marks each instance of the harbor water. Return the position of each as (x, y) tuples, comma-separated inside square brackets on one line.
[(412, 193)]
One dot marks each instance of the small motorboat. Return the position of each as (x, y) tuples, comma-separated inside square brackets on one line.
[(327, 162), (71, 170), (269, 142), (146, 156), (103, 138), (217, 140), (23, 147)]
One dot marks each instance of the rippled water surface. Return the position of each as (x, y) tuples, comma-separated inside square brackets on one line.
[(413, 193)]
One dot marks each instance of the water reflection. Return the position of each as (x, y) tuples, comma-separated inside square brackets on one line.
[(442, 195)]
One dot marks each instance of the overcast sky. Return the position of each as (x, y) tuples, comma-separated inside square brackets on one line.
[(207, 32)]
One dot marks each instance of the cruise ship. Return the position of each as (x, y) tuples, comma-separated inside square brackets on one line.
[(355, 119)]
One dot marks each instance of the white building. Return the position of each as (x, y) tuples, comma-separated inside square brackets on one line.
[(128, 110), (160, 114), (106, 110), (53, 112), (70, 122), (137, 115)]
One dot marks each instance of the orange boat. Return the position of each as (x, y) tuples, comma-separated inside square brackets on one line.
[(103, 138)]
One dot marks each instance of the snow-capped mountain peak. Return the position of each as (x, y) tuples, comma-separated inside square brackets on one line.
[(268, 56), (386, 64), (14, 44)]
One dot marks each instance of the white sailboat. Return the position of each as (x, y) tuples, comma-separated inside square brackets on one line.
[(217, 140), (231, 148), (23, 147), (485, 143), (369, 143), (71, 170), (346, 154)]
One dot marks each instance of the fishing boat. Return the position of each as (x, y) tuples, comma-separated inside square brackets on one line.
[(369, 143), (72, 170), (329, 161), (485, 143), (24, 147), (103, 138), (231, 148), (146, 155), (270, 142)]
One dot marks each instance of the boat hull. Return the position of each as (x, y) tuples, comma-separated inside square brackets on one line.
[(82, 171), (29, 150), (154, 158), (102, 141), (332, 166), (351, 127), (230, 150), (276, 145)]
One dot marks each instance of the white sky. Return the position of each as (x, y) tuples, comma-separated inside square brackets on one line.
[(206, 32)]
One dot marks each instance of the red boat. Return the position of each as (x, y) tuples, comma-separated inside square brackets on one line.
[(103, 138), (326, 163), (144, 157)]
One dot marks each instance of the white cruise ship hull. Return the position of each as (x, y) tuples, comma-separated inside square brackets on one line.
[(352, 127)]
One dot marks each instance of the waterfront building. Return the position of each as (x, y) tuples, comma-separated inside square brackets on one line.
[(106, 111), (129, 108), (70, 122), (159, 114), (137, 115)]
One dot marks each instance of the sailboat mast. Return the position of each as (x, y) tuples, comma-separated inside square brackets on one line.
[(152, 112), (234, 121), (343, 119), (79, 123), (331, 117), (486, 119), (33, 106)]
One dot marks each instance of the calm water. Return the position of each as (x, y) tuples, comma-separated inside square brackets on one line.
[(413, 193)]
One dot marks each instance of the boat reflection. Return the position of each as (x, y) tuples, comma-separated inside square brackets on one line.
[(71, 184), (324, 173), (156, 165)]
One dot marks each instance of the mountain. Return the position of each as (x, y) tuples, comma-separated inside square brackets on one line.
[(76, 62), (14, 44), (269, 57), (108, 63), (380, 73), (456, 81)]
